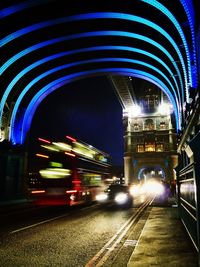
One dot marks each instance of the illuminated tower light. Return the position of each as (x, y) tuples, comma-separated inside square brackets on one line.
[(164, 109), (134, 111)]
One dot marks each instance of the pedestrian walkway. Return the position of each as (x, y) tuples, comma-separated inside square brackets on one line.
[(164, 242)]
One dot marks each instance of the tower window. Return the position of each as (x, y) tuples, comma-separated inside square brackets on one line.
[(149, 147), (136, 127), (140, 148), (159, 148), (149, 125), (162, 125)]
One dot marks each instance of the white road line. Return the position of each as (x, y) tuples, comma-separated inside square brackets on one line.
[(106, 246), (39, 223), (36, 224), (107, 249)]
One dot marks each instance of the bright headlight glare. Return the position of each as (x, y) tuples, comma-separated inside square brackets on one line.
[(101, 197), (121, 198), (134, 190), (154, 188), (159, 189)]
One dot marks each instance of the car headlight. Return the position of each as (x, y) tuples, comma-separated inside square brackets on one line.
[(134, 190), (154, 188), (101, 197), (121, 198)]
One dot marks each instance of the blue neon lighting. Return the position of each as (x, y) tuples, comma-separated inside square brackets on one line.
[(19, 137), (44, 60), (140, 173), (189, 10), (43, 75), (108, 15), (16, 8), (88, 34), (82, 35), (186, 4), (165, 11)]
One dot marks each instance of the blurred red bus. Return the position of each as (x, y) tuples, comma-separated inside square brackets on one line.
[(66, 173)]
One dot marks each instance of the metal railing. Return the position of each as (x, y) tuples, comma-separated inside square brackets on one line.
[(187, 202)]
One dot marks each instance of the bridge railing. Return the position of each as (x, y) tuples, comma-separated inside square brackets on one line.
[(187, 201)]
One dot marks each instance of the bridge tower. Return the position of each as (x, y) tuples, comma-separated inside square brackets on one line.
[(149, 138)]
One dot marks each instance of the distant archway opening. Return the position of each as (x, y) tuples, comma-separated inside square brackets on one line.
[(151, 173)]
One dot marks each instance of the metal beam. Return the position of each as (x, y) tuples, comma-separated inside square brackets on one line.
[(124, 89)]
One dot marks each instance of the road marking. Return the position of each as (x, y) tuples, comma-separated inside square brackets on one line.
[(100, 258), (130, 242), (45, 221), (39, 223), (90, 207)]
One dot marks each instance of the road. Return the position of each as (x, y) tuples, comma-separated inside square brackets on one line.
[(73, 237)]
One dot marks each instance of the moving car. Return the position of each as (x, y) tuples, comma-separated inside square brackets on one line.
[(116, 194)]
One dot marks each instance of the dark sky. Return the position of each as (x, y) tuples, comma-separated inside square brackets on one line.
[(88, 110)]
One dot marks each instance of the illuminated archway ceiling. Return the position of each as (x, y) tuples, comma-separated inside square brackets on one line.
[(46, 43)]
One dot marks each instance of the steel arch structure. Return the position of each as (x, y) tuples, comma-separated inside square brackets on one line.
[(46, 44)]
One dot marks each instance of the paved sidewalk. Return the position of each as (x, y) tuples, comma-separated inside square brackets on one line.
[(164, 242)]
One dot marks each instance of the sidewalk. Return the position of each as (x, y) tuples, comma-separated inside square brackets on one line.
[(164, 242)]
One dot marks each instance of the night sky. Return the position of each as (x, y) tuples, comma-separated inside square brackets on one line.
[(88, 110)]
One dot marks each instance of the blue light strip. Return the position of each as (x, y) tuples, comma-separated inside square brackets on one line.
[(88, 34), (82, 35), (19, 7), (43, 75), (88, 49), (98, 48), (186, 4), (106, 15), (189, 10), (99, 15), (19, 136), (140, 172), (166, 12)]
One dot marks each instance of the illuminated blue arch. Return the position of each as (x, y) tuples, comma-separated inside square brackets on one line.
[(171, 17), (45, 74), (30, 49), (88, 34), (189, 10), (18, 7), (19, 136), (88, 49), (187, 5), (107, 15), (140, 172), (146, 167)]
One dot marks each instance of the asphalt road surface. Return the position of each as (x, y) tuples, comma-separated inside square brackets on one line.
[(57, 236)]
